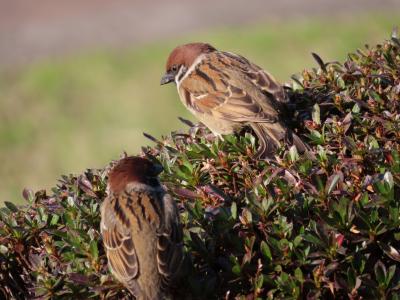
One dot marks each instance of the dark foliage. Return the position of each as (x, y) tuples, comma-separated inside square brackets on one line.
[(292, 229)]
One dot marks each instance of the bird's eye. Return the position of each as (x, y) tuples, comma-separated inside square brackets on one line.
[(174, 68)]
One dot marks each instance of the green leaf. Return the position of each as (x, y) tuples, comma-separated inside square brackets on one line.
[(236, 270), (297, 240), (356, 109), (54, 219), (331, 183), (316, 114), (260, 281), (299, 275), (42, 214), (372, 143), (11, 206), (380, 272), (391, 271), (293, 154), (388, 178), (314, 240), (234, 210), (297, 83), (265, 250), (395, 296), (316, 137), (340, 83), (94, 250)]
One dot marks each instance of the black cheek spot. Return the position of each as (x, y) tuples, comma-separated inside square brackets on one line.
[(182, 73)]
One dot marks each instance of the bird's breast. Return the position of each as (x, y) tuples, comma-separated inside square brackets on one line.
[(219, 126)]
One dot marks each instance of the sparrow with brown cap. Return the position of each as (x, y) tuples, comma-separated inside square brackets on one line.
[(140, 229), (226, 92)]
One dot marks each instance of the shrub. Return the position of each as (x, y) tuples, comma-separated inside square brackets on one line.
[(295, 228)]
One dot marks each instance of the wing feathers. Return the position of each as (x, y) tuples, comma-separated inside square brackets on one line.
[(118, 240), (226, 89), (170, 244), (264, 80), (228, 86), (131, 217)]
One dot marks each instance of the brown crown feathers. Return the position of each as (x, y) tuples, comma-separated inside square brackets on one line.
[(132, 169)]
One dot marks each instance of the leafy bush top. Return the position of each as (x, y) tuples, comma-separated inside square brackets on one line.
[(296, 228)]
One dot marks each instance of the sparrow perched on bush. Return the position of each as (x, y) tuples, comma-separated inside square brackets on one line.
[(226, 92), (140, 229)]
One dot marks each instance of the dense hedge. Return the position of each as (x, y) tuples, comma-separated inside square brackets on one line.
[(291, 229)]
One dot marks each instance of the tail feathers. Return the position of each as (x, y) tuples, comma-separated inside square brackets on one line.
[(134, 288), (270, 136)]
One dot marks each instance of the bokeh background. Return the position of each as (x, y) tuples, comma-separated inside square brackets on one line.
[(79, 79)]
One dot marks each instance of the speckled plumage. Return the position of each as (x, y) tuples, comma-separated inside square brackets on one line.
[(140, 229), (226, 91)]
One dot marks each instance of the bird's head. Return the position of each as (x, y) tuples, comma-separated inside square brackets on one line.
[(133, 169), (181, 58)]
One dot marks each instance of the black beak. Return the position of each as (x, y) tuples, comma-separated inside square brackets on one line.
[(167, 78)]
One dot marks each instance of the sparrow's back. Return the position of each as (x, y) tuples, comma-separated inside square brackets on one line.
[(260, 78), (142, 238)]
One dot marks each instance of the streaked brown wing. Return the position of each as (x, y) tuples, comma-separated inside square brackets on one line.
[(170, 244), (264, 80), (118, 240), (222, 89)]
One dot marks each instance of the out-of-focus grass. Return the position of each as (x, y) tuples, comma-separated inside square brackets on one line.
[(64, 115)]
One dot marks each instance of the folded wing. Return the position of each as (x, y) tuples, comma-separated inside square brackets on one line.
[(170, 241), (230, 87), (118, 242)]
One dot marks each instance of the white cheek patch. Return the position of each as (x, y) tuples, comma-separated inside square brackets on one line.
[(179, 76), (182, 70)]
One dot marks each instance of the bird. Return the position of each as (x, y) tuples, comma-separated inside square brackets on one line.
[(227, 92), (141, 230)]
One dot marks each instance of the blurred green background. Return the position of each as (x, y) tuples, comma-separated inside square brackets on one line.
[(64, 113)]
